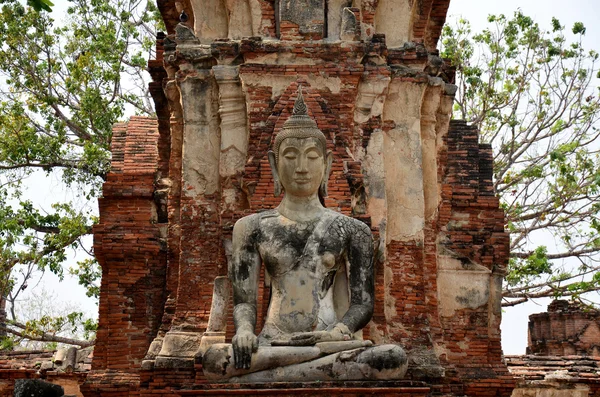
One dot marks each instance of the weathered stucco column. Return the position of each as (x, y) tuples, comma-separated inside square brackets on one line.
[(210, 20), (434, 114), (405, 307), (199, 217), (370, 101), (403, 161), (429, 132), (234, 135), (172, 189)]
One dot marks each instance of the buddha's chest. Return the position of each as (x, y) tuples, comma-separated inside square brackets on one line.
[(296, 249)]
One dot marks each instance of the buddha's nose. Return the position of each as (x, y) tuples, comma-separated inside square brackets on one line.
[(302, 165)]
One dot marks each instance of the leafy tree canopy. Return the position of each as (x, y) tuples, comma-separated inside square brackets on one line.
[(534, 96), (62, 87)]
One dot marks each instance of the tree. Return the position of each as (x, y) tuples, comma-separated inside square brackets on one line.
[(533, 95), (62, 87)]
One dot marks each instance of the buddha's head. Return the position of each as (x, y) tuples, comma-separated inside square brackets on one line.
[(300, 161)]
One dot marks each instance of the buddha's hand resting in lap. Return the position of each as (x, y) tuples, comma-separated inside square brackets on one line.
[(244, 344), (338, 333)]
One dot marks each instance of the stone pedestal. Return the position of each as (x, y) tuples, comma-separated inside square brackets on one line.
[(346, 389)]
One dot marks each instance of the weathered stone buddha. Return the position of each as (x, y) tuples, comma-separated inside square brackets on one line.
[(319, 264)]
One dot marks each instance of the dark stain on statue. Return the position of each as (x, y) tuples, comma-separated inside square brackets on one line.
[(387, 359), (242, 271), (293, 236), (327, 283), (226, 364), (327, 369)]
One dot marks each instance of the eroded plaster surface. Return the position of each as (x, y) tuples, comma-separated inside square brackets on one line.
[(393, 18), (461, 285), (279, 84), (201, 137), (402, 158)]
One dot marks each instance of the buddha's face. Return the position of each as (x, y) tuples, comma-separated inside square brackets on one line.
[(301, 166)]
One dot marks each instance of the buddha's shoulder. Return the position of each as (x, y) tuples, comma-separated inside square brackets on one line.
[(252, 221), (257, 220), (348, 222)]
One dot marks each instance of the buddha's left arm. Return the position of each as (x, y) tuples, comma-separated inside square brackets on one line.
[(359, 251)]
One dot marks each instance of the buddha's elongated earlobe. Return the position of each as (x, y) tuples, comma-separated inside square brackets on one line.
[(323, 186), (276, 188), (273, 164)]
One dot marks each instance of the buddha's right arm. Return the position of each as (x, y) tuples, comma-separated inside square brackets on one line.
[(244, 317), (244, 342), (244, 270)]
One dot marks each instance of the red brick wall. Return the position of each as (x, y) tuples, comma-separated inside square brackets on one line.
[(131, 251), (466, 174)]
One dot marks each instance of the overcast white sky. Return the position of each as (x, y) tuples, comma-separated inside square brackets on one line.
[(514, 325)]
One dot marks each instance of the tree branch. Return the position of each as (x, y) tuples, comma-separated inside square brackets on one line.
[(45, 337)]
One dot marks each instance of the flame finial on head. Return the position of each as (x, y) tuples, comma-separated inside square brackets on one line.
[(299, 106)]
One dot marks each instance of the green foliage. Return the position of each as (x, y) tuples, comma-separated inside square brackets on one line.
[(51, 346), (88, 273), (53, 325), (40, 5), (62, 87), (7, 343), (529, 268), (578, 28), (533, 96), (89, 328)]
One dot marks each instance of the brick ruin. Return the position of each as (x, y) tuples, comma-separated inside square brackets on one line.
[(563, 353), (65, 367), (566, 329), (225, 80)]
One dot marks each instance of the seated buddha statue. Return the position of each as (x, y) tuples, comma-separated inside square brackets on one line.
[(319, 264)]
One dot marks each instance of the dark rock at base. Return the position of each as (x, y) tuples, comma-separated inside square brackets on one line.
[(37, 388)]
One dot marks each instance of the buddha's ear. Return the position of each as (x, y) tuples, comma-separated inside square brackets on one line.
[(273, 164), (328, 161)]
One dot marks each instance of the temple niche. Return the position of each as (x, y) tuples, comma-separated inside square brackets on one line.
[(226, 78)]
